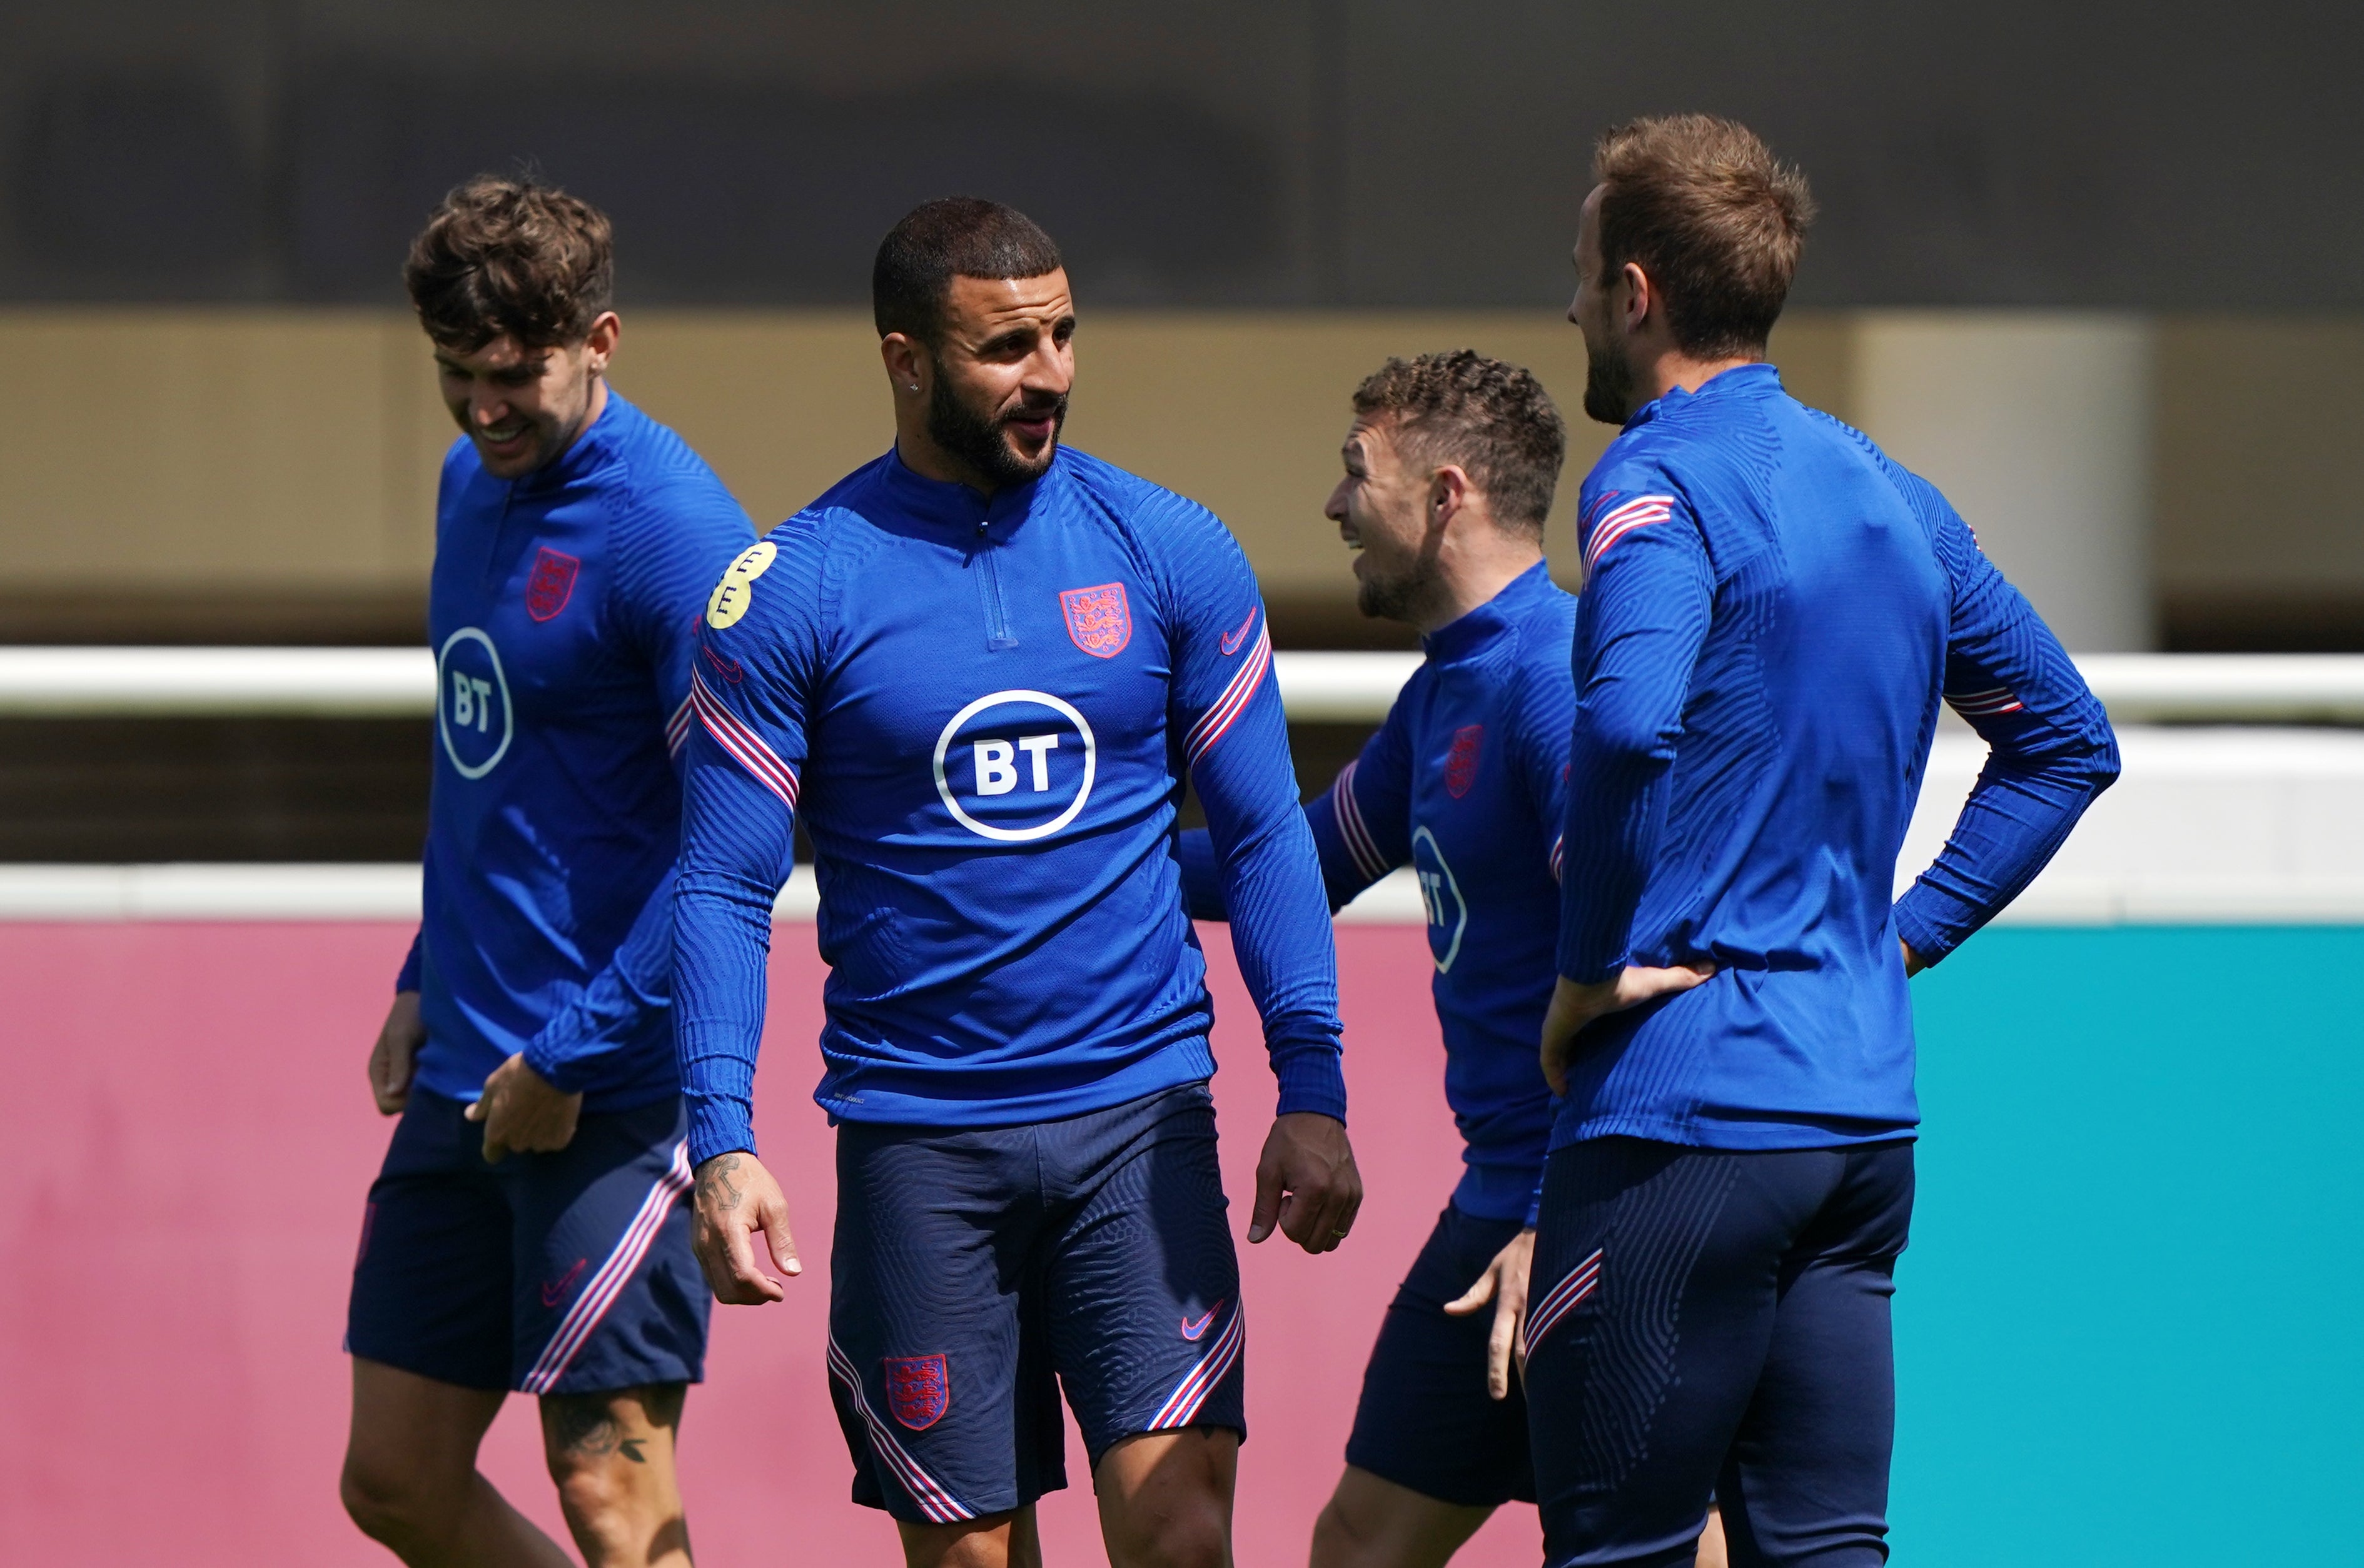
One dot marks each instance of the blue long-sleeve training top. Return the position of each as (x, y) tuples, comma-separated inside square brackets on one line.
[(1465, 784), (563, 611), (984, 712), (1772, 613)]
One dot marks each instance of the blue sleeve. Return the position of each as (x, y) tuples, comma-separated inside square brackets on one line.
[(1225, 711), (2051, 747), (407, 978), (1359, 828), (667, 554), (1544, 716), (1640, 625), (744, 754)]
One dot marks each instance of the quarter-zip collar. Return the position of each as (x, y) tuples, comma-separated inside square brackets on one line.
[(1475, 632), (962, 513), (591, 450), (1757, 380)]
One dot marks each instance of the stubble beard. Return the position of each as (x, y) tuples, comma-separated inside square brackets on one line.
[(980, 439), (1398, 598), (1607, 385)]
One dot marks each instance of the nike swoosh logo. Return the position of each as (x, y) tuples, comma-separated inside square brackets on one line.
[(1230, 646), (1193, 1330), (552, 1294)]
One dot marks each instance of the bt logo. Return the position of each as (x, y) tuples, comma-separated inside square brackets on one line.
[(1439, 894), (1015, 766), (474, 714)]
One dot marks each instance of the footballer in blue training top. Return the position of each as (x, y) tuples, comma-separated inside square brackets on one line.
[(1774, 614), (978, 671), (530, 1227), (1450, 468)]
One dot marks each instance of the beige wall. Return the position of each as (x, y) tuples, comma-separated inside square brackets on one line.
[(146, 454)]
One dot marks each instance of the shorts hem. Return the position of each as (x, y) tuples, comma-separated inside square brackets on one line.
[(601, 1383), (1426, 1485), (412, 1365), (1094, 1455)]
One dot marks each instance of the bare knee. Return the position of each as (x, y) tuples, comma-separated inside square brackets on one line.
[(611, 1456), (392, 1503), (1166, 1498), (1341, 1540)]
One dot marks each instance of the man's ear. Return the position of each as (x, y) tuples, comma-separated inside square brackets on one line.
[(907, 363), (601, 339), (1640, 297), (1448, 492)]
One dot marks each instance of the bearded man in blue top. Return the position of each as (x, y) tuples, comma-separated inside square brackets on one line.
[(529, 1230), (978, 671), (1450, 466), (1774, 614)]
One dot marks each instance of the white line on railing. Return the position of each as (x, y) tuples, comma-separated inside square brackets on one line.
[(389, 683)]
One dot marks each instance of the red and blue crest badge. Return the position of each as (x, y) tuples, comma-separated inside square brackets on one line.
[(1461, 762), (1099, 619), (918, 1390), (551, 584)]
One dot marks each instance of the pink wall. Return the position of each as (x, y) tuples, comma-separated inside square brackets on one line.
[(186, 1140)]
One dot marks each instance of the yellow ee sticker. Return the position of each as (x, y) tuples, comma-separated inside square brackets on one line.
[(736, 590)]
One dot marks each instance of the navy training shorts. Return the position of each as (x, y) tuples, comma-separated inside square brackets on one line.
[(1425, 1420), (1708, 1319), (977, 1270), (550, 1273)]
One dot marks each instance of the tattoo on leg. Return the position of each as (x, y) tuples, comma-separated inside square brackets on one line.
[(583, 1423), (714, 1184)]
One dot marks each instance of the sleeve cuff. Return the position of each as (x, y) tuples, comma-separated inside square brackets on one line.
[(1928, 940), (568, 1075), (719, 1127), (1312, 1079)]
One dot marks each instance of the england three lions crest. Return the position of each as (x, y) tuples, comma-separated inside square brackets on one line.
[(1461, 762), (551, 584), (1098, 620), (918, 1390)]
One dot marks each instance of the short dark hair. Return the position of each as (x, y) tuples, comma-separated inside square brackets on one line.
[(511, 257), (1493, 419), (953, 237), (1714, 220)]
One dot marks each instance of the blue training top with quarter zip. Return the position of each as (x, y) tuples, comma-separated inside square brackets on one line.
[(1465, 783), (562, 612), (984, 711), (1773, 611)]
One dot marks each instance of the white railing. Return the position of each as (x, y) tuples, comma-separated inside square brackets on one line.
[(390, 683)]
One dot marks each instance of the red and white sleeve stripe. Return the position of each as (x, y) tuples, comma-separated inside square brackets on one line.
[(677, 726), (748, 749), (1985, 703), (1638, 513), (1218, 720), (1360, 844)]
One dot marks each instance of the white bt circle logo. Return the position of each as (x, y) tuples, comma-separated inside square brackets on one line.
[(473, 709), (1015, 766)]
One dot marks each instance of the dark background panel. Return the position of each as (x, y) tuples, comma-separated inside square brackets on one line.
[(1383, 152), (134, 791)]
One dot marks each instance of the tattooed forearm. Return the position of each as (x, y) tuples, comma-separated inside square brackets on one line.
[(715, 1188)]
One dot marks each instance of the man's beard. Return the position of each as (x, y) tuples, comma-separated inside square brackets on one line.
[(978, 438), (1400, 597), (1608, 385)]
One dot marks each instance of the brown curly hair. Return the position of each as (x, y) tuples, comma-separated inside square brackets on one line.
[(1494, 420), (511, 257), (1714, 220)]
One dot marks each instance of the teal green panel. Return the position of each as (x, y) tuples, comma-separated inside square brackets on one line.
[(2128, 1327)]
